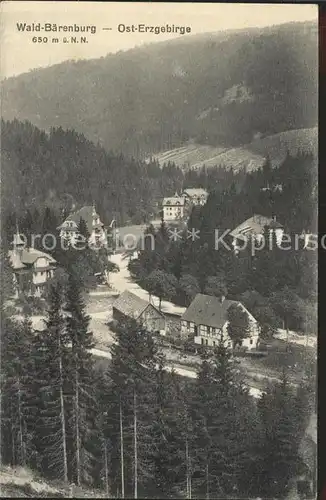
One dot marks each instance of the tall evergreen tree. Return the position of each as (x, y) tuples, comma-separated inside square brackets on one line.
[(279, 447), (81, 405), (51, 384), (132, 375), (169, 436), (7, 277), (82, 229), (16, 379), (222, 446), (238, 324)]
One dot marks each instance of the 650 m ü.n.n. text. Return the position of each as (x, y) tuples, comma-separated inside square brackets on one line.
[(55, 40)]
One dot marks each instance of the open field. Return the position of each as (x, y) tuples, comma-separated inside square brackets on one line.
[(251, 156)]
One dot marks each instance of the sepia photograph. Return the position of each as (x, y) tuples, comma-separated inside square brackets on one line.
[(159, 244)]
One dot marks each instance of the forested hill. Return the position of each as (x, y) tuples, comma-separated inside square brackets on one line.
[(62, 168), (219, 89)]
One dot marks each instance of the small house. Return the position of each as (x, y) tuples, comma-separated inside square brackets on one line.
[(130, 306), (206, 320)]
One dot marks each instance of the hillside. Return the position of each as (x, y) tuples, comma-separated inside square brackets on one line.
[(221, 90), (63, 168), (251, 156)]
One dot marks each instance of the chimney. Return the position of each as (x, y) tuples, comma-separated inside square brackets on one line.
[(222, 299)]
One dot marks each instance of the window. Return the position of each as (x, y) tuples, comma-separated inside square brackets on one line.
[(206, 342), (202, 341), (214, 343), (251, 341)]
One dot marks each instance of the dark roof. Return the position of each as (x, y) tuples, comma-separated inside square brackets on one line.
[(130, 304), (85, 213), (195, 192), (27, 257), (208, 310), (174, 201), (255, 225)]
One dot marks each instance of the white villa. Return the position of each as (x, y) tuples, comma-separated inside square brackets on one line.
[(31, 268), (173, 208), (196, 196), (98, 234), (177, 206)]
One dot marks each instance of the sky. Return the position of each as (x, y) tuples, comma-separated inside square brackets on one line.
[(20, 54)]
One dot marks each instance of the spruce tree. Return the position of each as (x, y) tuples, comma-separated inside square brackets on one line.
[(221, 412), (50, 224), (202, 405), (131, 375), (7, 278), (238, 324), (82, 229), (168, 435), (81, 407), (51, 354), (16, 378), (279, 461)]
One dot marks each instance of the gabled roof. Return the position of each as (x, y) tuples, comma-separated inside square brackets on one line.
[(85, 213), (255, 225), (27, 257), (131, 305), (174, 201), (195, 192), (208, 310)]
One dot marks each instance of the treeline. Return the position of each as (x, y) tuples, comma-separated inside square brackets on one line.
[(278, 286), (134, 429), (62, 167), (44, 175), (54, 171)]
